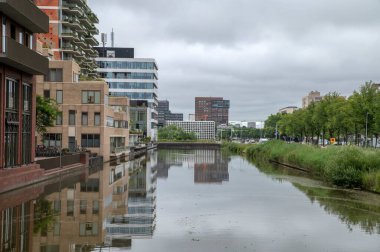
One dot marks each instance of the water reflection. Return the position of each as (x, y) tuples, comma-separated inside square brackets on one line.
[(210, 166), (114, 207)]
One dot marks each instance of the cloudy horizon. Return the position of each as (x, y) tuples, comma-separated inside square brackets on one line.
[(261, 55)]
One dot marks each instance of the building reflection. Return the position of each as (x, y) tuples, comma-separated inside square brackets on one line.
[(139, 219), (210, 166), (107, 207), (16, 219)]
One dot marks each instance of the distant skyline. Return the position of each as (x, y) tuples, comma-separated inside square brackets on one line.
[(260, 55)]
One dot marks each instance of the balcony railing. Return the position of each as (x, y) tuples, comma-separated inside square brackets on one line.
[(21, 57)]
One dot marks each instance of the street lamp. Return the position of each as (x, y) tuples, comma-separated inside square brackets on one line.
[(366, 130)]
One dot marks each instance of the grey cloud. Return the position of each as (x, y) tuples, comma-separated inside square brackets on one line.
[(262, 55)]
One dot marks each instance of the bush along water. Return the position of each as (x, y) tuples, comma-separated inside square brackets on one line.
[(343, 166)]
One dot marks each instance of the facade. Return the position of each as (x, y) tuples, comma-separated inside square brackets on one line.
[(212, 109), (164, 113), (19, 62), (71, 32), (135, 78), (89, 118), (313, 96), (202, 129), (288, 110)]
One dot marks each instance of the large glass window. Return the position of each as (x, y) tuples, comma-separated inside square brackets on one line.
[(11, 94), (91, 97), (131, 85), (54, 75), (126, 65), (12, 123), (26, 124), (59, 96), (52, 140), (71, 117), (90, 140)]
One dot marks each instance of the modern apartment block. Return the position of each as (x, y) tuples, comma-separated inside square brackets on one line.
[(288, 110), (71, 32), (89, 117), (202, 129), (164, 113), (212, 109), (313, 96), (135, 78), (19, 62)]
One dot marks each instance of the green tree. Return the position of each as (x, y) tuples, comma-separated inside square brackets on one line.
[(46, 114), (172, 132)]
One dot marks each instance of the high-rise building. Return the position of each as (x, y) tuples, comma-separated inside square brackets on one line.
[(164, 113), (135, 78), (313, 96), (71, 32), (19, 62), (212, 109)]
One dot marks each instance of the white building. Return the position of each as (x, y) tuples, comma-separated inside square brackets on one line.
[(135, 78), (203, 129)]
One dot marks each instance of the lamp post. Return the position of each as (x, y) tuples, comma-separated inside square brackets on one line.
[(366, 130)]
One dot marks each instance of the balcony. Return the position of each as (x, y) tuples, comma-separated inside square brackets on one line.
[(91, 40), (21, 57), (27, 14)]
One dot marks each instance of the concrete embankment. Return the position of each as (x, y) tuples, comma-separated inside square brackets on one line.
[(188, 145)]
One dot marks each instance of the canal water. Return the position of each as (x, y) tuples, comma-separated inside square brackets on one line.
[(188, 200)]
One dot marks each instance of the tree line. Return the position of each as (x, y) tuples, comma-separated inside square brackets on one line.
[(349, 120)]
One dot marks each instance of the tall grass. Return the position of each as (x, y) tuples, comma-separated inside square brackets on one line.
[(344, 166)]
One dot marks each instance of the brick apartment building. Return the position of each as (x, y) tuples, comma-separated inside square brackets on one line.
[(89, 117), (212, 109), (19, 62)]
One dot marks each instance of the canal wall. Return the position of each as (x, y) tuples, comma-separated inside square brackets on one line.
[(190, 145)]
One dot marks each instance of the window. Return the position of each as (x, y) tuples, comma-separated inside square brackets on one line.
[(54, 75), (52, 140), (4, 33), (84, 118), (71, 117), (27, 40), (57, 206), (83, 206), (70, 207), (13, 31), (97, 119), (95, 207), (11, 94), (91, 97), (21, 37), (59, 96), (27, 97), (47, 94), (110, 121), (58, 120), (90, 140), (88, 229)]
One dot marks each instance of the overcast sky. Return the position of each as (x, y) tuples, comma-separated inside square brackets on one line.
[(260, 54)]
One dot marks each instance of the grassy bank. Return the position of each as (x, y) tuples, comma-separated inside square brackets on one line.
[(344, 166)]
